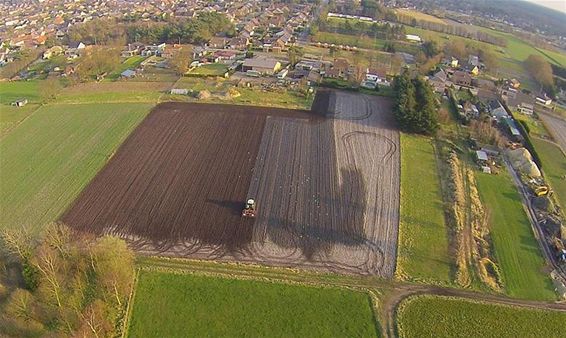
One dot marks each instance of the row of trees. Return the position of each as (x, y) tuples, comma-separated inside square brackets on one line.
[(72, 286), (415, 105), (349, 27), (196, 30), (112, 32)]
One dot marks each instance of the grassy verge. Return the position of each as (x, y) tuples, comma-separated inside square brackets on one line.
[(119, 91), (423, 237), (554, 166), (48, 159), (434, 316), (516, 249), (172, 305)]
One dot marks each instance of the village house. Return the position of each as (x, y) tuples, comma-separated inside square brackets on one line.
[(75, 50), (261, 65), (225, 55), (218, 42), (170, 50), (439, 81), (461, 79), (239, 43)]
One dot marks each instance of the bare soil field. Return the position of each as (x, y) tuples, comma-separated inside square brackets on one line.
[(326, 185)]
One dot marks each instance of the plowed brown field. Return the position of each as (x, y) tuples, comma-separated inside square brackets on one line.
[(327, 188)]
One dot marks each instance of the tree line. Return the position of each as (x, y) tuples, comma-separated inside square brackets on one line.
[(377, 31), (114, 32), (415, 105), (63, 284)]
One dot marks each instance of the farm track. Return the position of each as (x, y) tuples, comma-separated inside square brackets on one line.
[(327, 188)]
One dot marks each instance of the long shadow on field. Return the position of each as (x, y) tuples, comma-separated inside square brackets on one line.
[(317, 232)]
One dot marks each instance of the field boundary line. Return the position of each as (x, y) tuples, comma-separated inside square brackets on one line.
[(125, 325)]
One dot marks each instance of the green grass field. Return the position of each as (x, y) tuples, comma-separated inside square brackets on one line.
[(516, 249), (213, 69), (9, 92), (423, 237), (554, 167), (434, 316), (50, 157), (177, 305)]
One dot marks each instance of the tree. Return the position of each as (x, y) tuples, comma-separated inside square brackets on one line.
[(180, 61), (457, 49), (489, 59), (83, 285), (294, 54), (49, 89), (430, 48), (415, 105), (540, 70)]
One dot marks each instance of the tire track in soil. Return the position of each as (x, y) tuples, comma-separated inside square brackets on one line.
[(177, 185)]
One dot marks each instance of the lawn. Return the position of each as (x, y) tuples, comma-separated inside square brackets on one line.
[(423, 237), (130, 63), (177, 305), (212, 69), (49, 158), (435, 316), (554, 167), (516, 249)]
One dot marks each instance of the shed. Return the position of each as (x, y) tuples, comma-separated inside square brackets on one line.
[(179, 91), (481, 155), (20, 102), (414, 38), (128, 73)]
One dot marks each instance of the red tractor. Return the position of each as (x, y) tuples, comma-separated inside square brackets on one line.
[(249, 209)]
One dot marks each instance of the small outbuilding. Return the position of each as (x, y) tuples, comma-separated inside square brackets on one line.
[(20, 102), (128, 73), (179, 91)]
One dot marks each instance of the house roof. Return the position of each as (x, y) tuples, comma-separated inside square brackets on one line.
[(482, 155), (261, 63), (128, 73)]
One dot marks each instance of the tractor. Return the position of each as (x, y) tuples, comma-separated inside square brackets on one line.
[(249, 209)]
